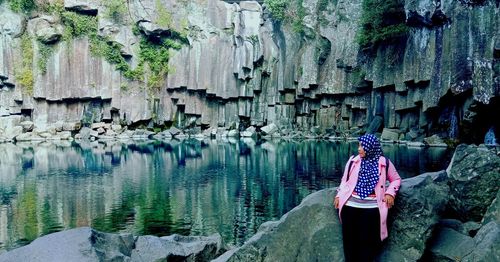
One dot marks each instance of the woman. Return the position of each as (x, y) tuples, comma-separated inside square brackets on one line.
[(364, 200)]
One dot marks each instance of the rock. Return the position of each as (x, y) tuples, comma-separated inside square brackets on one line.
[(65, 135), (249, 132), (474, 174), (493, 212), (390, 134), (84, 133), (27, 126), (116, 128), (177, 248), (375, 125), (415, 144), (80, 244), (420, 201), (110, 133), (412, 135), (46, 30), (174, 131), (434, 140), (97, 125), (11, 133), (233, 133), (29, 136), (449, 245), (12, 23), (101, 131), (487, 244), (269, 129), (72, 126), (82, 6)]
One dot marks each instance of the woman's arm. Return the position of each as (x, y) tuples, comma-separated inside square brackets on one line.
[(342, 181), (394, 181)]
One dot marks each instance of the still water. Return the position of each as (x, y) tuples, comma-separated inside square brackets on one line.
[(188, 187)]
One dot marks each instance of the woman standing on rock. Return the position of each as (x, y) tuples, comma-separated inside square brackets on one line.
[(364, 200)]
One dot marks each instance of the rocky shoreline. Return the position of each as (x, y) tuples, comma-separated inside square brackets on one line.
[(26, 131), (442, 216)]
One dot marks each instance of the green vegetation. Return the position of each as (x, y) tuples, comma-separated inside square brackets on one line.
[(115, 10), (44, 52), (78, 25), (24, 71), (277, 8), (381, 21), (22, 6), (154, 52), (290, 12)]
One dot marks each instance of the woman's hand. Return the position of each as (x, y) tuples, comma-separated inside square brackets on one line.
[(336, 202), (389, 200)]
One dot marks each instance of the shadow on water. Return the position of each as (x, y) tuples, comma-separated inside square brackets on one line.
[(188, 187)]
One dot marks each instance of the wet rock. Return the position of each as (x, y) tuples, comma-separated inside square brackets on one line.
[(249, 132), (390, 134), (435, 140), (269, 129)]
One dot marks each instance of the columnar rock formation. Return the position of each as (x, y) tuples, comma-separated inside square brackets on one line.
[(240, 67)]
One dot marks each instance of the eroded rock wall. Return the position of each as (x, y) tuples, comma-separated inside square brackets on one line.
[(240, 67)]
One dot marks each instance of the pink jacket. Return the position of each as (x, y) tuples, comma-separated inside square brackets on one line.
[(347, 187)]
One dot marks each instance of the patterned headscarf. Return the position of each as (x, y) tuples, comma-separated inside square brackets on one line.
[(368, 174)]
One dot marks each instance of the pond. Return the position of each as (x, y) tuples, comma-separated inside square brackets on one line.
[(189, 187)]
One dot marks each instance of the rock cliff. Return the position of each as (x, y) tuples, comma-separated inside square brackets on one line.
[(235, 65)]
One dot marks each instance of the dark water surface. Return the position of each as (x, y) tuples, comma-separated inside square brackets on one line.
[(187, 187)]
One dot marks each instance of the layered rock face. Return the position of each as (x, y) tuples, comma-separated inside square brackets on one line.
[(239, 66)]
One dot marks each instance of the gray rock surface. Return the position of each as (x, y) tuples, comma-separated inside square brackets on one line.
[(86, 244), (177, 248), (236, 63), (487, 244), (419, 202), (80, 244), (493, 212), (474, 173), (450, 245)]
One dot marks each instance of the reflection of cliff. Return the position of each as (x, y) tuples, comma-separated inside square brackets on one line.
[(189, 187)]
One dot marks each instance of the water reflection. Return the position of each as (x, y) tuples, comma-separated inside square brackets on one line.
[(159, 188)]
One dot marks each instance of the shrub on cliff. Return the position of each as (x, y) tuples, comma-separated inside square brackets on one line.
[(22, 6), (381, 21)]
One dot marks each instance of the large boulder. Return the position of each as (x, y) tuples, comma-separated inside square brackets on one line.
[(418, 206), (80, 244), (474, 174), (450, 245), (87, 244), (177, 248), (487, 244), (493, 212)]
